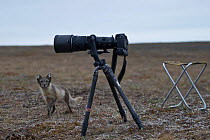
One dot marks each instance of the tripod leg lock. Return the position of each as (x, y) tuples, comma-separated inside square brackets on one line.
[(109, 73)]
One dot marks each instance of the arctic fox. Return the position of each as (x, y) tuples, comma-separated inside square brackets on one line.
[(52, 93)]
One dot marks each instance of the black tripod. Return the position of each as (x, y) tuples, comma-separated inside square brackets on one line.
[(114, 82)]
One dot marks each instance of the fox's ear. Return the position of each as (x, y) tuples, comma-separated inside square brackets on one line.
[(38, 76), (49, 76)]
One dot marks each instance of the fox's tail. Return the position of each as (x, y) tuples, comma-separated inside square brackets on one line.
[(78, 100), (75, 101)]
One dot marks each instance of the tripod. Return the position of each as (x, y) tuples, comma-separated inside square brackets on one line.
[(114, 84)]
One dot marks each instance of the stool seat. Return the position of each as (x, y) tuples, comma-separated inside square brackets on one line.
[(184, 67), (178, 63)]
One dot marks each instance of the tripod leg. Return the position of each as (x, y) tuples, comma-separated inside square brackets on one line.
[(121, 110), (115, 82), (89, 104)]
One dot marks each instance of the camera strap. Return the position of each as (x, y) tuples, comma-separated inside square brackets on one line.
[(114, 63), (122, 72)]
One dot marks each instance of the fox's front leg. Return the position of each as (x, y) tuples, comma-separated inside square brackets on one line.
[(51, 107)]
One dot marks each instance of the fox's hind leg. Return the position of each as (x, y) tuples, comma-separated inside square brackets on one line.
[(67, 101)]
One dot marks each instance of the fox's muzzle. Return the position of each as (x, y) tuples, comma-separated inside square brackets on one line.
[(44, 85)]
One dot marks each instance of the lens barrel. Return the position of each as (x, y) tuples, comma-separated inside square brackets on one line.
[(62, 43), (70, 43)]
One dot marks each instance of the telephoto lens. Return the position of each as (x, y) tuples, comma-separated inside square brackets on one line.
[(71, 43)]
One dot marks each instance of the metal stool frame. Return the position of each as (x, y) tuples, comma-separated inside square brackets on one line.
[(184, 67)]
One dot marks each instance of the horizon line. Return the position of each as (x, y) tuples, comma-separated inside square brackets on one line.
[(133, 43)]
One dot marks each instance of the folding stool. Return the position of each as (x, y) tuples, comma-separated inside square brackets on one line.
[(184, 67)]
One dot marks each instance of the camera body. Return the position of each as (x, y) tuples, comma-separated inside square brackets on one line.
[(71, 43)]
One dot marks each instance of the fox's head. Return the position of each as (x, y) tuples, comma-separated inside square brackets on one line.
[(44, 82)]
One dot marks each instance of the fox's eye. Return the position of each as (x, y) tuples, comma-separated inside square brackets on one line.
[(41, 80)]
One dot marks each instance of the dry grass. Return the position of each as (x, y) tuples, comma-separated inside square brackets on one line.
[(23, 113)]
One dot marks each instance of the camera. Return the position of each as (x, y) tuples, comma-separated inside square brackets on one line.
[(71, 43)]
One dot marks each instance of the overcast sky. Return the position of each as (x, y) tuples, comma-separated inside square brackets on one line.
[(36, 22)]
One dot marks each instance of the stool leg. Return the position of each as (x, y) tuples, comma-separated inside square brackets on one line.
[(193, 85), (175, 86), (187, 91), (197, 78), (167, 96)]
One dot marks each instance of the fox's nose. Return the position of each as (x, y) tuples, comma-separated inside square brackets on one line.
[(43, 85)]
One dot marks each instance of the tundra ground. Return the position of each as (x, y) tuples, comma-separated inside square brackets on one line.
[(23, 112)]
